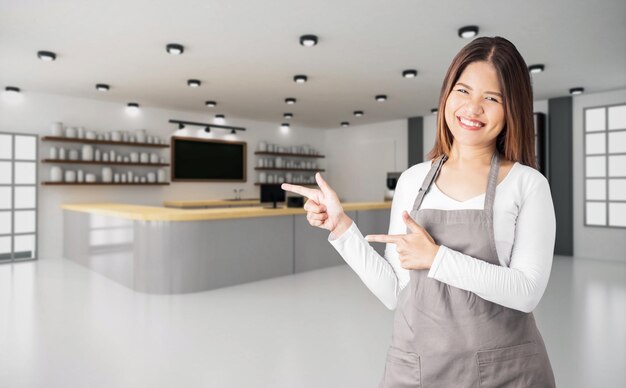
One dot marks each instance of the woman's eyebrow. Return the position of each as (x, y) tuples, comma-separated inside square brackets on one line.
[(470, 88)]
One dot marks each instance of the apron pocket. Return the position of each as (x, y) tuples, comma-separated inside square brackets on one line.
[(402, 369), (514, 366)]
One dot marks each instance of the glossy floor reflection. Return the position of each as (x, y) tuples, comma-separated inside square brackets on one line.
[(64, 326)]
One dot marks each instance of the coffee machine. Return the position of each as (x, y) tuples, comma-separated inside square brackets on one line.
[(392, 181)]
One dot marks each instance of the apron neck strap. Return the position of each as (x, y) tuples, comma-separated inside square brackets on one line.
[(492, 182), (430, 177)]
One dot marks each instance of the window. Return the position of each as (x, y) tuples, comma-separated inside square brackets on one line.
[(604, 147), (18, 197)]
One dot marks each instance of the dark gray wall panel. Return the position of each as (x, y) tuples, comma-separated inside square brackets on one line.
[(416, 140)]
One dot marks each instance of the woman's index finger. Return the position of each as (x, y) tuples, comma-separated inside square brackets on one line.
[(305, 191)]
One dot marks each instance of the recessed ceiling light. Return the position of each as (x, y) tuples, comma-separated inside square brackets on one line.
[(290, 100), (358, 113), (175, 48), (12, 89), (468, 32), (132, 108), (381, 97), (574, 91), (102, 87), (47, 56), (219, 119), (535, 69), (285, 125), (411, 73), (288, 115), (300, 79), (211, 104), (308, 40), (345, 124), (433, 111), (194, 83), (284, 128)]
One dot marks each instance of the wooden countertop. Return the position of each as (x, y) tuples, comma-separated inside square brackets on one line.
[(212, 203), (154, 213)]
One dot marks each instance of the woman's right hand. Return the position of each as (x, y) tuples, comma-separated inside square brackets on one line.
[(322, 206)]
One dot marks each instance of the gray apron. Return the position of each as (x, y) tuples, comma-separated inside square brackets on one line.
[(447, 337)]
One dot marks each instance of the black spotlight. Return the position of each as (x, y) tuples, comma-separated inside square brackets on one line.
[(308, 40), (233, 132), (300, 79), (211, 104), (381, 97), (574, 91), (345, 124), (358, 113), (181, 126), (194, 83), (175, 48), (411, 73), (468, 32), (535, 69), (47, 56), (102, 87), (207, 129), (290, 100), (288, 115)]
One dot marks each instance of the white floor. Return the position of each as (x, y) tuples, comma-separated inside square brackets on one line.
[(62, 325)]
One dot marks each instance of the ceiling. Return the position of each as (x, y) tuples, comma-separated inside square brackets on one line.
[(247, 52)]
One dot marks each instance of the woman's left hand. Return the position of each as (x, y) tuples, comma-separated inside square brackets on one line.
[(416, 250)]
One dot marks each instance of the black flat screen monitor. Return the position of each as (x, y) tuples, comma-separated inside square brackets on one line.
[(272, 193), (197, 159)]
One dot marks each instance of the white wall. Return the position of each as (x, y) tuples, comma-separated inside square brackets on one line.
[(34, 113), (361, 156), (593, 242)]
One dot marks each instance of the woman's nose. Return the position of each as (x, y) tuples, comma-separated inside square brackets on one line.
[(473, 107)]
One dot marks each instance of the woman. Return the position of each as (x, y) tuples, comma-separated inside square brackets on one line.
[(466, 267)]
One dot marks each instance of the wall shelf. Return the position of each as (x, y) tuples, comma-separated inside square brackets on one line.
[(289, 169), (103, 142), (289, 154), (105, 163), (103, 184)]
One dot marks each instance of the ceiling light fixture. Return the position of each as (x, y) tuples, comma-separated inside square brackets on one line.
[(284, 128), (358, 113), (300, 79), (12, 90), (102, 87), (411, 73), (433, 111), (308, 40), (288, 115), (194, 83), (47, 56), (468, 32), (233, 132), (132, 108), (211, 104), (345, 124), (219, 119), (175, 48), (578, 90), (535, 69), (381, 97), (290, 101), (207, 126)]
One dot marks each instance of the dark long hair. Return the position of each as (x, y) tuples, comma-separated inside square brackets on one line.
[(516, 142)]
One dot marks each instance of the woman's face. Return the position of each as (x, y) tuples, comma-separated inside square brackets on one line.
[(474, 111)]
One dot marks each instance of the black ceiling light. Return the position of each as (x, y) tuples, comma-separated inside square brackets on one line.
[(288, 115), (47, 56), (468, 32), (233, 132), (290, 100), (345, 124), (578, 90), (181, 126), (535, 69), (12, 89), (211, 104), (381, 97), (194, 83), (308, 40), (300, 78), (433, 111), (285, 125), (102, 87), (207, 129), (175, 48), (411, 73), (132, 105), (358, 113)]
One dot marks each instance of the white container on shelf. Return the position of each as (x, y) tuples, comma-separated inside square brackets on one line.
[(126, 159), (154, 158), (112, 155), (144, 158), (141, 135), (56, 129), (143, 179), (105, 157), (96, 155), (259, 162), (125, 136), (80, 132), (152, 178), (70, 176), (116, 136), (129, 175), (161, 177), (107, 174), (80, 176), (162, 160), (288, 177), (134, 157), (70, 132), (90, 135), (106, 136), (136, 179), (119, 159), (263, 146), (262, 177), (116, 177), (279, 162), (90, 178), (54, 153), (123, 178), (87, 152), (56, 174), (73, 154)]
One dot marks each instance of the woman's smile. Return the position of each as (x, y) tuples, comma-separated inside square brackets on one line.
[(472, 125)]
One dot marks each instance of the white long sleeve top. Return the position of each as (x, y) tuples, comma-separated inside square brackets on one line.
[(524, 232)]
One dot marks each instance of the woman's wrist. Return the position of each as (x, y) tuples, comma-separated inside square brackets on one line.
[(344, 222)]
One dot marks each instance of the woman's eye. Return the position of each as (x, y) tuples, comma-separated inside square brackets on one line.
[(461, 90), (492, 99)]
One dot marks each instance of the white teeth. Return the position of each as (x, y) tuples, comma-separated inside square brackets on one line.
[(470, 123)]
